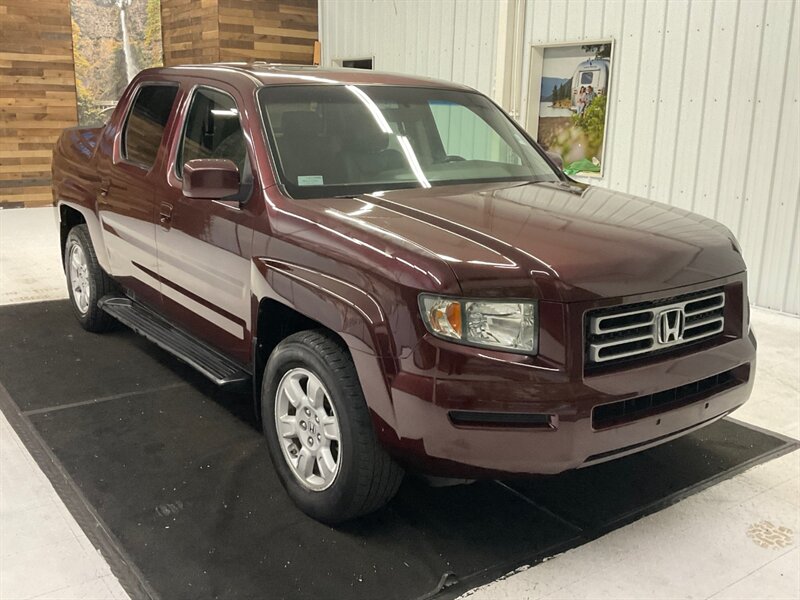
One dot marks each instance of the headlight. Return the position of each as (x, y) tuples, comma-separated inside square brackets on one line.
[(510, 325)]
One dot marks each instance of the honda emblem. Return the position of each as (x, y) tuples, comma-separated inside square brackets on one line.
[(670, 326)]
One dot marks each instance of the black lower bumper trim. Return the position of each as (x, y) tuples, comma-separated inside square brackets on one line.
[(472, 418)]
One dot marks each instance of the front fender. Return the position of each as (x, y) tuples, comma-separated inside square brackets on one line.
[(338, 305), (350, 312)]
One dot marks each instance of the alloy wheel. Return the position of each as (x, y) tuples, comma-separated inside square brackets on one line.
[(79, 278), (308, 429)]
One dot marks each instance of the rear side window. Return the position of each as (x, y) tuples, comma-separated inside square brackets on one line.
[(146, 122), (212, 130)]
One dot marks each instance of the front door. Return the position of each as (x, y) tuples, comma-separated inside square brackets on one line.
[(204, 246), (126, 203)]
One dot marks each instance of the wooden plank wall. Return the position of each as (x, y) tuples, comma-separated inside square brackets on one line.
[(275, 31), (37, 95), (190, 31), (202, 31), (37, 75)]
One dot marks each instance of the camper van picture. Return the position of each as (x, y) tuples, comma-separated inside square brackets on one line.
[(570, 118), (589, 73)]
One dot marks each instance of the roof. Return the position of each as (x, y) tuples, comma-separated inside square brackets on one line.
[(282, 74)]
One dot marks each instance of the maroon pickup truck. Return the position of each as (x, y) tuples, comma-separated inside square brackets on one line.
[(405, 279)]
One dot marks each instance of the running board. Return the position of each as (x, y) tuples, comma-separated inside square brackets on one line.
[(217, 367)]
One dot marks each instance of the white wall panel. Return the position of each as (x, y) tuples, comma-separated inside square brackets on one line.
[(695, 84), (669, 99), (703, 115), (625, 79), (776, 278), (446, 39), (738, 132), (704, 105)]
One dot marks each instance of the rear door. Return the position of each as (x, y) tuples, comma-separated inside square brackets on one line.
[(204, 246), (126, 204)]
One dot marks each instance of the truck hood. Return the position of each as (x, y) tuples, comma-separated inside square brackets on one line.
[(553, 241)]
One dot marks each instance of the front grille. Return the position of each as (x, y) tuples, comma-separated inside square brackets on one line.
[(622, 332), (624, 411)]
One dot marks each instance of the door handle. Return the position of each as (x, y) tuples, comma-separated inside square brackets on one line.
[(165, 215), (105, 185)]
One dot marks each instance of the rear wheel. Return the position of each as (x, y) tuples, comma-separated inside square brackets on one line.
[(319, 430), (86, 281)]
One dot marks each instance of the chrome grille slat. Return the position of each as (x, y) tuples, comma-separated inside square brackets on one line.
[(633, 340), (624, 331), (693, 337), (720, 298), (706, 321), (598, 323), (595, 349)]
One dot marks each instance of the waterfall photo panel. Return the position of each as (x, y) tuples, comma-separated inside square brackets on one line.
[(112, 41)]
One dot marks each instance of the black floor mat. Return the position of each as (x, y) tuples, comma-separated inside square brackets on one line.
[(176, 476)]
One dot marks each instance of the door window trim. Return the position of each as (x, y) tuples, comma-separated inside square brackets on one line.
[(179, 144), (129, 110)]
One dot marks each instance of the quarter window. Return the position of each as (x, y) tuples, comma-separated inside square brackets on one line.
[(212, 130), (144, 129)]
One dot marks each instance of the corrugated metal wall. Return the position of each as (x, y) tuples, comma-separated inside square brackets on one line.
[(705, 115), (705, 99), (445, 39)]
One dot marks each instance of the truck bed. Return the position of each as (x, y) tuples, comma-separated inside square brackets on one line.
[(74, 172)]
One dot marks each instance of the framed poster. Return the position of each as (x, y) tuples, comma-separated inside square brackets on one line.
[(112, 40), (568, 92)]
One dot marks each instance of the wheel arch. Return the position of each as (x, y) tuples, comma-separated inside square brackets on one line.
[(284, 297), (71, 214)]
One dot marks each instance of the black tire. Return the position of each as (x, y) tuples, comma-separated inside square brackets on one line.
[(90, 316), (367, 477)]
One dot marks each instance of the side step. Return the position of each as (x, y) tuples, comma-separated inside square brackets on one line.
[(217, 367)]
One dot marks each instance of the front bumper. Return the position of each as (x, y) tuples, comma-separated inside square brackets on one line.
[(425, 394)]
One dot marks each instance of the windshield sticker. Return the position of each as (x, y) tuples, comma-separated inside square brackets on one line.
[(309, 180)]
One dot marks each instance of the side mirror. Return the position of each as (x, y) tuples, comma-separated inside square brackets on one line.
[(210, 178), (556, 158)]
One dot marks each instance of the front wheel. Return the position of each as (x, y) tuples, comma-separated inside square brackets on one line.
[(86, 281), (319, 430)]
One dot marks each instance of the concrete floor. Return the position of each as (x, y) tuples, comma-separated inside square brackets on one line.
[(738, 539)]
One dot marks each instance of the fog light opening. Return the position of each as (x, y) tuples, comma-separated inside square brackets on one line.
[(470, 418)]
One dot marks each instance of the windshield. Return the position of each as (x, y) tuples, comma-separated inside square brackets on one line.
[(332, 140)]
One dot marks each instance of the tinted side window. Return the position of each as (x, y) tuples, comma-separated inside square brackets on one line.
[(212, 130), (146, 121)]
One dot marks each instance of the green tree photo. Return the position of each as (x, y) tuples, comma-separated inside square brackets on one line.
[(592, 122)]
